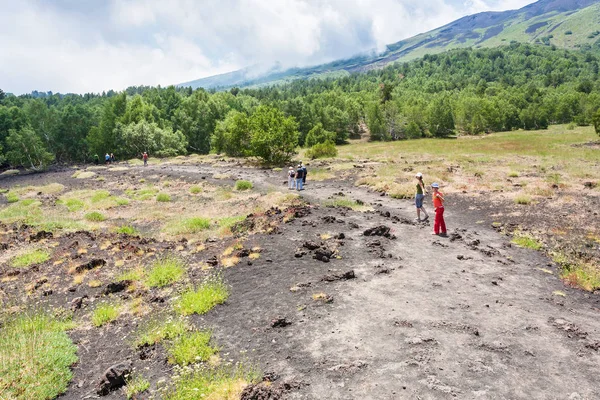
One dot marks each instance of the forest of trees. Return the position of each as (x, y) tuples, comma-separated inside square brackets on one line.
[(461, 91)]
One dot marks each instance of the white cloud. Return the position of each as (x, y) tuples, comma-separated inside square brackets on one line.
[(78, 47)]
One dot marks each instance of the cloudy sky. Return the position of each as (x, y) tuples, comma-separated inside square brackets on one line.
[(93, 45)]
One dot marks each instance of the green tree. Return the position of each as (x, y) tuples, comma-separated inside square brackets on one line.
[(274, 136), (149, 137), (26, 149), (318, 135), (441, 119), (596, 122), (232, 135), (2, 95), (376, 122), (102, 138)]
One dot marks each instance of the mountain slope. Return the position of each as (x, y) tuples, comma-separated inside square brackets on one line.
[(564, 23)]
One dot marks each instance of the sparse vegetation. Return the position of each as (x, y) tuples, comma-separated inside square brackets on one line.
[(12, 197), (165, 271), (577, 272), (527, 241), (95, 216), (202, 299), (191, 348), (195, 189), (157, 330), (523, 199), (190, 225), (127, 230), (29, 258), (243, 185), (163, 198), (105, 313), (136, 384), (35, 357)]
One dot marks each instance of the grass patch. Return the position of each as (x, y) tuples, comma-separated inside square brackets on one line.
[(189, 225), (523, 199), (578, 273), (165, 271), (134, 274), (95, 216), (195, 189), (105, 313), (83, 175), (142, 194), (73, 204), (135, 384), (243, 185), (201, 300), (163, 198), (203, 382), (527, 241), (12, 197), (158, 330), (191, 348), (36, 355), (127, 230), (99, 196), (32, 257), (513, 174)]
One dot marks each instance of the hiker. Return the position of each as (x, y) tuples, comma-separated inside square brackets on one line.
[(304, 173), (299, 177), (419, 196), (145, 158), (439, 225), (107, 159), (96, 159), (291, 178), (112, 158)]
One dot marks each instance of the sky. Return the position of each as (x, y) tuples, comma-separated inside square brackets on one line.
[(80, 46)]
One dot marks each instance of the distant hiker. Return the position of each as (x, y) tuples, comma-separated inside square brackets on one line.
[(439, 226), (96, 159), (107, 158), (304, 173), (145, 158), (291, 178), (112, 158), (299, 178), (419, 196)]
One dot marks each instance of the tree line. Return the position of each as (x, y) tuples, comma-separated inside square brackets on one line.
[(462, 91)]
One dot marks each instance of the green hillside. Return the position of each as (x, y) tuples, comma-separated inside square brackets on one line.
[(571, 24)]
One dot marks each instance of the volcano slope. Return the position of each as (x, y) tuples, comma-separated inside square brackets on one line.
[(336, 294)]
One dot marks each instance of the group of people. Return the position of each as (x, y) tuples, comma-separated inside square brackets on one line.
[(439, 225), (297, 177), (110, 158)]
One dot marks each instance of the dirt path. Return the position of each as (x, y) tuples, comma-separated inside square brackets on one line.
[(425, 318)]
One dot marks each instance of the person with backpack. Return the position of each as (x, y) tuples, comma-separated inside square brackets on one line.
[(304, 173), (299, 177), (107, 159), (419, 197), (145, 158), (112, 158), (291, 178), (439, 225)]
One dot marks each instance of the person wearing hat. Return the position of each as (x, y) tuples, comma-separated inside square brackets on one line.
[(291, 178), (419, 196), (439, 225)]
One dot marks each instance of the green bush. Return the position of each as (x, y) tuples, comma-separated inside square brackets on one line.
[(318, 135), (322, 150), (243, 185), (596, 122), (163, 198)]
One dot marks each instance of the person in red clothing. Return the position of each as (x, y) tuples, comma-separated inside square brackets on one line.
[(145, 158), (439, 225)]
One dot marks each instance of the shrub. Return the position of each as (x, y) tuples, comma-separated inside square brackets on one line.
[(204, 298), (104, 314), (318, 135), (243, 185), (36, 355), (596, 122), (322, 150), (29, 258), (165, 271), (95, 216), (190, 348), (163, 198)]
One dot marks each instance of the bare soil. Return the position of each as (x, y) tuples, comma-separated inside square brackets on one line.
[(405, 315)]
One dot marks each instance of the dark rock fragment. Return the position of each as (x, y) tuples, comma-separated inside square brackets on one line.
[(113, 378), (40, 235), (311, 245), (116, 287), (280, 322), (97, 262), (339, 276)]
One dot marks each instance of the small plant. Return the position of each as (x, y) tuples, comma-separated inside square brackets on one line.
[(523, 199), (127, 230), (527, 241), (322, 150), (135, 384), (121, 201), (513, 174), (191, 348), (158, 330), (30, 258), (95, 216), (193, 225), (104, 314), (209, 294), (243, 185), (577, 272), (165, 271), (36, 356), (134, 274), (195, 189), (11, 197), (73, 204), (163, 198)]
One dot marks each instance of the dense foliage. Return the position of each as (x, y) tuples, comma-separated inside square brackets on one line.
[(461, 91)]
